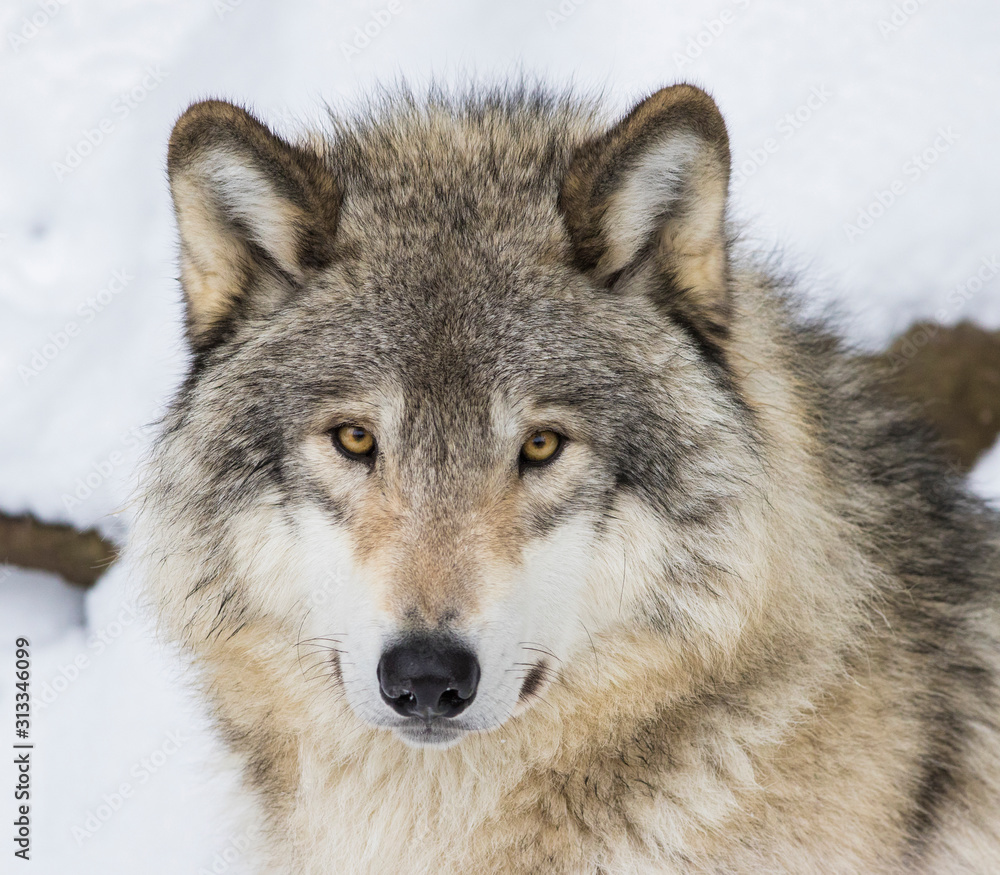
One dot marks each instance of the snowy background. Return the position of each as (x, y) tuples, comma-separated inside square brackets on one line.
[(864, 139)]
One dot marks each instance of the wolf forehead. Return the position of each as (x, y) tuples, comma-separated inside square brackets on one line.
[(461, 248), (463, 179), (450, 255)]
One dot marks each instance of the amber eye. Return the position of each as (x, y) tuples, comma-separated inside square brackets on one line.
[(354, 441), (541, 448)]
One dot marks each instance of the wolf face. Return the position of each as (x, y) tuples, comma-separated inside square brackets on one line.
[(458, 405)]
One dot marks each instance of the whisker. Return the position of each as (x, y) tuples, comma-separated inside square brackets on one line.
[(325, 648), (538, 648)]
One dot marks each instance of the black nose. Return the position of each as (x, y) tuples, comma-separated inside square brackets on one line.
[(428, 677)]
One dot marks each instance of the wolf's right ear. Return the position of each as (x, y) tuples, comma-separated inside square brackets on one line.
[(650, 193), (248, 205)]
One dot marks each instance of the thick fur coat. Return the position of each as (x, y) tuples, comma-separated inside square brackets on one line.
[(744, 619)]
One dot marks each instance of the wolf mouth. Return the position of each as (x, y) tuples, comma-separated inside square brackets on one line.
[(438, 732)]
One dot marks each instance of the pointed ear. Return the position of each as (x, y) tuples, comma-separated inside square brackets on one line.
[(255, 213), (650, 193)]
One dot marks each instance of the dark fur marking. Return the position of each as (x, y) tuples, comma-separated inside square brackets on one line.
[(708, 347), (533, 681), (937, 782), (542, 521)]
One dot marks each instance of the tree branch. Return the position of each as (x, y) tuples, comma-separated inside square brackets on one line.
[(78, 557)]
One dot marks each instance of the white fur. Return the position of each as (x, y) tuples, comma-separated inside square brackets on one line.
[(648, 191)]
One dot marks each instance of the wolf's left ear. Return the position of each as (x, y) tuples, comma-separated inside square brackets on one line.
[(653, 189), (250, 207)]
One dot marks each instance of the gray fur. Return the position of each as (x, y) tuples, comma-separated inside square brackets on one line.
[(858, 685)]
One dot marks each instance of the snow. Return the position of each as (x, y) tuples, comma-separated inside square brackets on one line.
[(985, 477), (863, 136), (124, 767)]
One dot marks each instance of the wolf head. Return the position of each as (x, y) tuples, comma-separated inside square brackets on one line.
[(459, 410)]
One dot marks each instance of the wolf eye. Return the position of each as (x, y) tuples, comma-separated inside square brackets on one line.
[(541, 448), (354, 441)]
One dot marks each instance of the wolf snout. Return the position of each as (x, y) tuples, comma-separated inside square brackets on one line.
[(427, 677)]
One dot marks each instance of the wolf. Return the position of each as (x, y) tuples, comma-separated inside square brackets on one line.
[(515, 519)]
